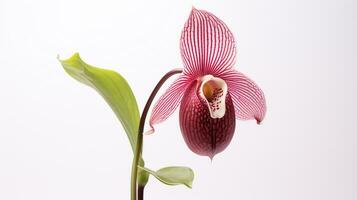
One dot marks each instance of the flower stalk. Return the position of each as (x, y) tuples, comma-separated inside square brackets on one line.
[(139, 143)]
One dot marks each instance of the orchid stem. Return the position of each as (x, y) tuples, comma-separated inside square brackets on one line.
[(139, 142), (141, 192)]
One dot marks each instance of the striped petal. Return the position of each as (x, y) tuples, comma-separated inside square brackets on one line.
[(207, 45), (168, 102), (248, 98)]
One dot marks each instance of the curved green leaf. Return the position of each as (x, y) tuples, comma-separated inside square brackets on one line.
[(173, 175), (112, 87)]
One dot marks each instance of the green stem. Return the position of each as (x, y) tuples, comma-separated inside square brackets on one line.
[(139, 142)]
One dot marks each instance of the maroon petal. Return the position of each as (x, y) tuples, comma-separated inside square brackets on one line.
[(248, 98), (207, 45), (169, 101), (203, 134)]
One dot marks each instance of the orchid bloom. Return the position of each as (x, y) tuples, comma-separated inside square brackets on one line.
[(212, 94)]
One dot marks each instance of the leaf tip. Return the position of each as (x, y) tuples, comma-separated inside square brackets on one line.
[(189, 184), (75, 56)]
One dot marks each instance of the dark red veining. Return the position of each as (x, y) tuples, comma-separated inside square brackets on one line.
[(204, 135)]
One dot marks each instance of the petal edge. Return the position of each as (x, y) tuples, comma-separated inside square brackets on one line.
[(207, 45), (248, 98), (168, 102)]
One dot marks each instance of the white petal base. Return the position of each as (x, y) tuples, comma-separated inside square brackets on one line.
[(214, 90)]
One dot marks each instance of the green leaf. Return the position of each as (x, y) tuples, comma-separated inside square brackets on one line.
[(112, 87), (173, 175)]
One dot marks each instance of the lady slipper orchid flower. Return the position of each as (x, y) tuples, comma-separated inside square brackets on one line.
[(210, 92)]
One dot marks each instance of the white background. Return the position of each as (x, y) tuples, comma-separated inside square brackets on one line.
[(59, 139)]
